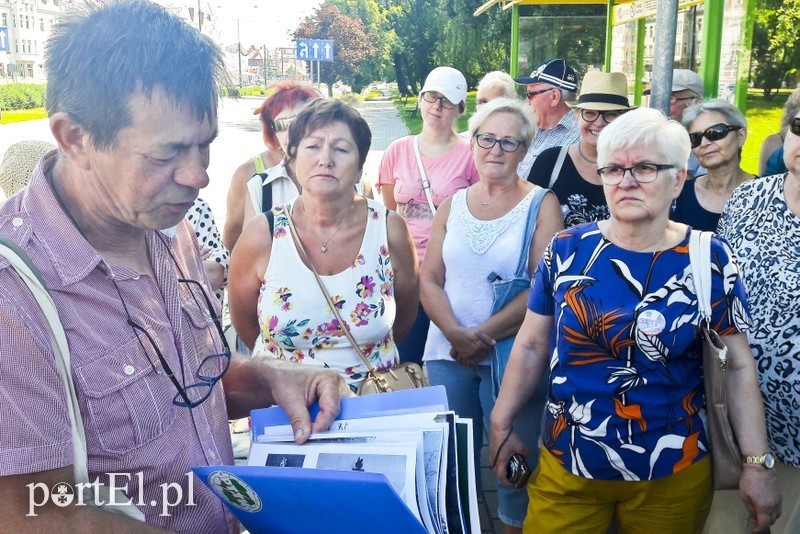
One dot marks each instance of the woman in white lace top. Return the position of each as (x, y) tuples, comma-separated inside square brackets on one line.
[(477, 237)]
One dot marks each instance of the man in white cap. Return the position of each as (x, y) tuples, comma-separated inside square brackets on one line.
[(687, 90), (550, 86)]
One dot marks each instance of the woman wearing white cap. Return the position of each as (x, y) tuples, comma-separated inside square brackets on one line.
[(571, 171), (419, 172)]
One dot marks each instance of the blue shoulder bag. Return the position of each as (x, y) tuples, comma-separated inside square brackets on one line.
[(503, 291)]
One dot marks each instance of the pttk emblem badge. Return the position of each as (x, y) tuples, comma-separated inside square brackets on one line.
[(235, 491), (62, 494)]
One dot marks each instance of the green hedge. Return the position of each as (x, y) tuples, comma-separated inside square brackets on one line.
[(22, 96)]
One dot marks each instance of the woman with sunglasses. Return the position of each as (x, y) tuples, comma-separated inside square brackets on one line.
[(419, 172), (762, 223), (478, 237), (613, 317), (571, 171), (264, 177), (717, 132)]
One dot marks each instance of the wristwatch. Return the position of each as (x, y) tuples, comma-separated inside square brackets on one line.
[(767, 460)]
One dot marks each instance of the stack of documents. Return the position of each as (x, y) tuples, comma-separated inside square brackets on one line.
[(393, 462)]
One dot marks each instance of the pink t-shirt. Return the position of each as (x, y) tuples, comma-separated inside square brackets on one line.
[(447, 174)]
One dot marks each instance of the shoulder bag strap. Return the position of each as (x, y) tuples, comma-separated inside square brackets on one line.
[(33, 279), (301, 249), (426, 185), (700, 259), (530, 228), (562, 155)]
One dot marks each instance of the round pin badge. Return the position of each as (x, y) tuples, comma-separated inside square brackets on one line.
[(651, 322)]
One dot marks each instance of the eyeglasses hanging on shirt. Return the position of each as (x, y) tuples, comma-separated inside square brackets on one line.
[(212, 368)]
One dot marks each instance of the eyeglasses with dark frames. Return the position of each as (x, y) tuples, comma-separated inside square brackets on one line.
[(507, 144), (712, 133), (212, 368), (531, 94), (643, 173), (591, 115), (794, 126), (430, 96)]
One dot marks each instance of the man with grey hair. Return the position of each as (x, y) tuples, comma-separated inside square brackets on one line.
[(132, 101), (687, 90), (550, 86)]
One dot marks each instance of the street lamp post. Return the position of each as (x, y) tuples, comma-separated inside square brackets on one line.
[(239, 51)]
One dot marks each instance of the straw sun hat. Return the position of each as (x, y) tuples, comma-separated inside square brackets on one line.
[(603, 91), (18, 164)]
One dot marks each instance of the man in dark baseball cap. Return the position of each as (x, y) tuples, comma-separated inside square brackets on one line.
[(550, 86)]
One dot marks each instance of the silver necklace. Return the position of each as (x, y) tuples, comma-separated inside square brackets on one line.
[(324, 247), (587, 160)]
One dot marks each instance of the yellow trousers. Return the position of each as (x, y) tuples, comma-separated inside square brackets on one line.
[(562, 503)]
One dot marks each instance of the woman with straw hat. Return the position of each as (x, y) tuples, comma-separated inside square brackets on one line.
[(571, 171), (18, 163)]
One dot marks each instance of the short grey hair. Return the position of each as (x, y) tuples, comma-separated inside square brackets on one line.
[(790, 109), (498, 78), (567, 95), (645, 127), (731, 114), (505, 105)]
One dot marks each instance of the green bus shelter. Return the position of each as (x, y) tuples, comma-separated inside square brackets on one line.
[(713, 38)]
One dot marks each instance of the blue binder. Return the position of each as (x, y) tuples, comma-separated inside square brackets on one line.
[(291, 500)]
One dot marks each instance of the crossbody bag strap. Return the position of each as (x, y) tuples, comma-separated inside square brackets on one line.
[(426, 185), (700, 259), (530, 228), (562, 155), (58, 340), (301, 249)]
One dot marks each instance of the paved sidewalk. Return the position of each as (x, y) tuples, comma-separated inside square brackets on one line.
[(386, 126)]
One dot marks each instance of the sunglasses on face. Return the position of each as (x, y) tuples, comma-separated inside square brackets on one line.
[(794, 126), (676, 99), (531, 94), (432, 97), (281, 125), (712, 133), (591, 115)]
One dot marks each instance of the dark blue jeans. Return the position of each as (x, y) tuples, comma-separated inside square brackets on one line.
[(413, 345)]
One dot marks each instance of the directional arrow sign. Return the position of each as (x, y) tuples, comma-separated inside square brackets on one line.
[(315, 49), (4, 44)]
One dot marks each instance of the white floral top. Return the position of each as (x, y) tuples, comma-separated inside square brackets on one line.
[(297, 323)]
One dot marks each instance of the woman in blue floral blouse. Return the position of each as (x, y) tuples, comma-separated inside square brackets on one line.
[(362, 252), (613, 313)]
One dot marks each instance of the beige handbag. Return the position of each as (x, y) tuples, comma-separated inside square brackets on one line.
[(725, 454), (403, 376), (93, 494)]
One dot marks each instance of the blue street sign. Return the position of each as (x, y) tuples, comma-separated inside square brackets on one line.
[(5, 46), (315, 49)]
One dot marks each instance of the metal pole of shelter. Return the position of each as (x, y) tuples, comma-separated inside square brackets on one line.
[(514, 41), (664, 47), (712, 46), (748, 19), (638, 86), (609, 35)]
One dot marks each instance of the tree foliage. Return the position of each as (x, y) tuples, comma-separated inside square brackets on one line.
[(776, 50)]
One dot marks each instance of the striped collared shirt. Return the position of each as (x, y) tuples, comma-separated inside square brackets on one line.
[(563, 133)]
